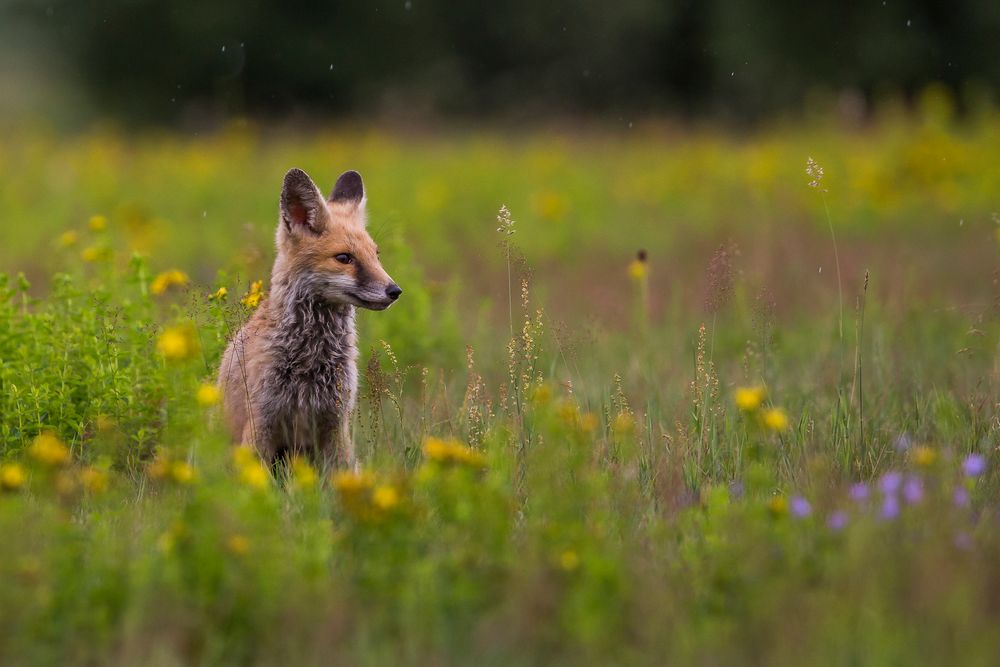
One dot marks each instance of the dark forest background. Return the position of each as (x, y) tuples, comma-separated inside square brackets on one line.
[(158, 62)]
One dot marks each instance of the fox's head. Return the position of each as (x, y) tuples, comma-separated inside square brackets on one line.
[(324, 248)]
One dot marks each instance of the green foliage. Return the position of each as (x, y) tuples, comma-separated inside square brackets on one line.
[(602, 495)]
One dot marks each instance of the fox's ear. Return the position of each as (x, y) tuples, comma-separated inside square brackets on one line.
[(350, 189), (302, 205)]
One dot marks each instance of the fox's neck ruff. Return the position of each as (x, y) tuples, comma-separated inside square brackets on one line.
[(310, 330)]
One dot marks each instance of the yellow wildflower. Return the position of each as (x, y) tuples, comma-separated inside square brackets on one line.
[(97, 223), (588, 422), (778, 505), (219, 294), (244, 455), (638, 269), (49, 450), (92, 253), (182, 472), (208, 395), (164, 281), (94, 480), (164, 467), (355, 491), (68, 238), (748, 399), (255, 476), (924, 456), (385, 498), (569, 560), (435, 449), (352, 484), (177, 343), (238, 545), (256, 293), (775, 420), (305, 476), (452, 452), (12, 477)]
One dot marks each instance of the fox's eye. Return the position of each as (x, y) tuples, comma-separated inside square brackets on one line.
[(344, 258)]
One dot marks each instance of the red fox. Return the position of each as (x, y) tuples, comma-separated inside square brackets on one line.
[(289, 376)]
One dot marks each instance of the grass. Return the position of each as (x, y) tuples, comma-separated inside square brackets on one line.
[(662, 461)]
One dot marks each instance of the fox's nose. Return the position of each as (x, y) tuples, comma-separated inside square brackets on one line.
[(393, 291)]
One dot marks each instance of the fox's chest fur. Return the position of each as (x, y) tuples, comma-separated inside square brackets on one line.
[(290, 379), (307, 388)]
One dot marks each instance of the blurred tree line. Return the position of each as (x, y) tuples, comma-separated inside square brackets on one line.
[(155, 61)]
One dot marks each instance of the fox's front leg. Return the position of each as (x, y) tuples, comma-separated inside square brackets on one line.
[(255, 440), (343, 446)]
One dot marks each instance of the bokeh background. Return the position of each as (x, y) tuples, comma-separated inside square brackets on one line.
[(195, 63)]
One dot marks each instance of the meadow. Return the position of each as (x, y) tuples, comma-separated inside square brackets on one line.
[(767, 438)]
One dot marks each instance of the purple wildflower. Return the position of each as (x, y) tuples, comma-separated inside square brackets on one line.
[(903, 442), (960, 497), (837, 521), (974, 465), (963, 541), (913, 490), (800, 507), (890, 508), (859, 492), (890, 482)]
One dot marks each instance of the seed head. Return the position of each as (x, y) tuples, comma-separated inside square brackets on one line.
[(720, 274), (505, 224), (815, 173)]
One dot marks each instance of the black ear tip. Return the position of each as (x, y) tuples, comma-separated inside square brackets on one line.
[(349, 187), (296, 176)]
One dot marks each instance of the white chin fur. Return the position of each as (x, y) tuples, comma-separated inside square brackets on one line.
[(338, 289)]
